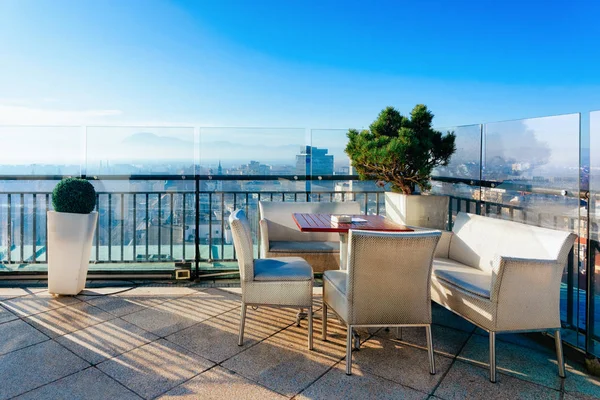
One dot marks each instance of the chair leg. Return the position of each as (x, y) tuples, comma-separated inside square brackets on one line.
[(430, 350), (324, 320), (310, 328), (242, 323), (398, 333), (493, 357), (349, 350), (301, 314), (559, 354)]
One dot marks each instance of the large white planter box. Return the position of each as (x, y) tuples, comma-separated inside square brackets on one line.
[(427, 211), (70, 239)]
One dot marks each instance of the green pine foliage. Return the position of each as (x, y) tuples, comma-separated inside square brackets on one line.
[(74, 195), (400, 150)]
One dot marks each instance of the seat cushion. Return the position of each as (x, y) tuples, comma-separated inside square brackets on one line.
[(304, 247), (339, 279), (334, 292), (282, 269), (467, 278)]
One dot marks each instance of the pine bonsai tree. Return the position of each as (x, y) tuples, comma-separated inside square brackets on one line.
[(399, 150)]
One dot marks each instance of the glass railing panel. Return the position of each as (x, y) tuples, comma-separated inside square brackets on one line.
[(28, 151), (590, 276), (459, 178), (272, 155), (41, 150), (119, 150), (534, 164), (23, 238), (465, 163), (327, 158), (147, 221), (144, 221), (534, 167)]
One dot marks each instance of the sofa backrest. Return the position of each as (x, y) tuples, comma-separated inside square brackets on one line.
[(281, 225), (478, 240)]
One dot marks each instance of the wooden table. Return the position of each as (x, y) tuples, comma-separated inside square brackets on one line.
[(323, 223)]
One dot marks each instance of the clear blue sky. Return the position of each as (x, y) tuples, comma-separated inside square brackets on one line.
[(319, 64)]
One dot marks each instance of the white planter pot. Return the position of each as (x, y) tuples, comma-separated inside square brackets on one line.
[(69, 246), (427, 211)]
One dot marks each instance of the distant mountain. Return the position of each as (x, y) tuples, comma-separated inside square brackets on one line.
[(156, 146), (151, 139)]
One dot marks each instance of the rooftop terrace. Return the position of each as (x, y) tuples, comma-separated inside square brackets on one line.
[(179, 341)]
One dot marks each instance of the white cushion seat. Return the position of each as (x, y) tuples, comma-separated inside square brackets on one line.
[(282, 269), (471, 279), (338, 279), (304, 247)]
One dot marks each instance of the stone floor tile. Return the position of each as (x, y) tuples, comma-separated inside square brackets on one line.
[(335, 384), (531, 340), (403, 364), (467, 381), (155, 368), (177, 314), (282, 365), (106, 340), (89, 384), (220, 383), (91, 293), (120, 306), (524, 363), (165, 320), (444, 317), (216, 338), (17, 334), (12, 292), (209, 302), (447, 341), (34, 366), (65, 320), (6, 315), (236, 291), (37, 303), (579, 396), (159, 292), (580, 384)]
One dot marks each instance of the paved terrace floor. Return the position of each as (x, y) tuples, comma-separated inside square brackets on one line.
[(179, 342)]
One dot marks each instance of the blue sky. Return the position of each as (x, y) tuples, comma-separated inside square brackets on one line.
[(317, 64)]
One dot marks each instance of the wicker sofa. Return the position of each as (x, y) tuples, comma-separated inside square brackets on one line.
[(280, 236), (502, 276)]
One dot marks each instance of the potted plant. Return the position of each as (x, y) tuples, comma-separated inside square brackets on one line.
[(71, 228), (403, 151)]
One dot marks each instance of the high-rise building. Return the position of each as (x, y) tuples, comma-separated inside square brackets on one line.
[(315, 161)]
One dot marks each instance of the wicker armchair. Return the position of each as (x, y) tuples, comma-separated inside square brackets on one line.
[(387, 284), (276, 282), (280, 236)]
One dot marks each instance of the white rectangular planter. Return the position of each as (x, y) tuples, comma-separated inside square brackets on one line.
[(69, 246), (427, 211)]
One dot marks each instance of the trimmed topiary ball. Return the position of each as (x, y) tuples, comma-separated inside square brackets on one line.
[(74, 195)]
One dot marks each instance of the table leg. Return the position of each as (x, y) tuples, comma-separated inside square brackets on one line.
[(343, 251)]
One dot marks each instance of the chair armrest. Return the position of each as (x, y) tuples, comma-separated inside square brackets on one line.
[(526, 292), (443, 247), (264, 238)]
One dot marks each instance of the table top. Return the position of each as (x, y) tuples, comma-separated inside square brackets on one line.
[(322, 223)]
